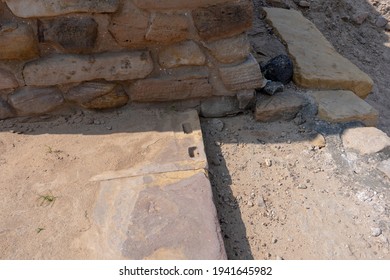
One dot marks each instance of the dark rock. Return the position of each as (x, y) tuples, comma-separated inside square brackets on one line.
[(76, 34), (279, 69), (273, 87), (246, 99)]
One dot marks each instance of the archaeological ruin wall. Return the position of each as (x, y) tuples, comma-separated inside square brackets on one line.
[(106, 53)]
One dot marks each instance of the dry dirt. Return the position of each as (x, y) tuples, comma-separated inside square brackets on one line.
[(277, 197)]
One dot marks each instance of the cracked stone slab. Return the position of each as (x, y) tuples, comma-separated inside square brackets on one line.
[(157, 216), (344, 106), (316, 62)]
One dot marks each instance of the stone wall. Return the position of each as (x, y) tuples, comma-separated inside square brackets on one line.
[(105, 53)]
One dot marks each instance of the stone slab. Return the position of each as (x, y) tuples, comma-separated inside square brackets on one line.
[(50, 8), (171, 150), (175, 4), (161, 207), (365, 140), (281, 106), (78, 68), (316, 62), (344, 106)]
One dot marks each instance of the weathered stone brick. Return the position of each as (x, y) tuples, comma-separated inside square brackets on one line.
[(97, 95), (129, 25), (67, 68), (192, 84), (7, 80), (5, 110), (175, 4), (75, 34), (186, 53), (246, 75), (223, 20), (49, 8), (230, 50), (168, 28), (34, 100), (17, 41)]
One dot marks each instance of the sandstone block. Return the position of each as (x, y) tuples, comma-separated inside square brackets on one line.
[(223, 20), (129, 25), (168, 28), (95, 95), (5, 110), (65, 68), (365, 140), (230, 50), (175, 4), (50, 8), (34, 100), (75, 34), (186, 53), (172, 87), (17, 41), (246, 75), (344, 106), (7, 80), (316, 63), (281, 106)]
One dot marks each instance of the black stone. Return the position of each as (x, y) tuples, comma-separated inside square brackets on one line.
[(278, 69)]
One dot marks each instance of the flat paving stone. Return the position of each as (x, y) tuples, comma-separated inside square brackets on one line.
[(365, 140), (316, 62), (344, 106)]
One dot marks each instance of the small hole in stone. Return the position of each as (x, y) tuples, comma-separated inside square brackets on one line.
[(193, 152), (187, 128)]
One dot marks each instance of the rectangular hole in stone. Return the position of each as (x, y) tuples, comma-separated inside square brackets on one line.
[(193, 152), (187, 128)]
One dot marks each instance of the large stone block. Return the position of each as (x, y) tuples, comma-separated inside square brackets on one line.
[(230, 50), (50, 8), (175, 4), (246, 75), (365, 140), (172, 87), (344, 106), (17, 41), (96, 95), (168, 28), (34, 100), (5, 110), (281, 106), (316, 63), (63, 69), (74, 34), (7, 80), (129, 25), (182, 54), (223, 20)]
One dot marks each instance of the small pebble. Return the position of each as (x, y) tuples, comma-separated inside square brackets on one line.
[(376, 232), (302, 187), (304, 4), (381, 21), (268, 162)]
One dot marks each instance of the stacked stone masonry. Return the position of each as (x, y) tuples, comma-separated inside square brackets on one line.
[(105, 53)]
